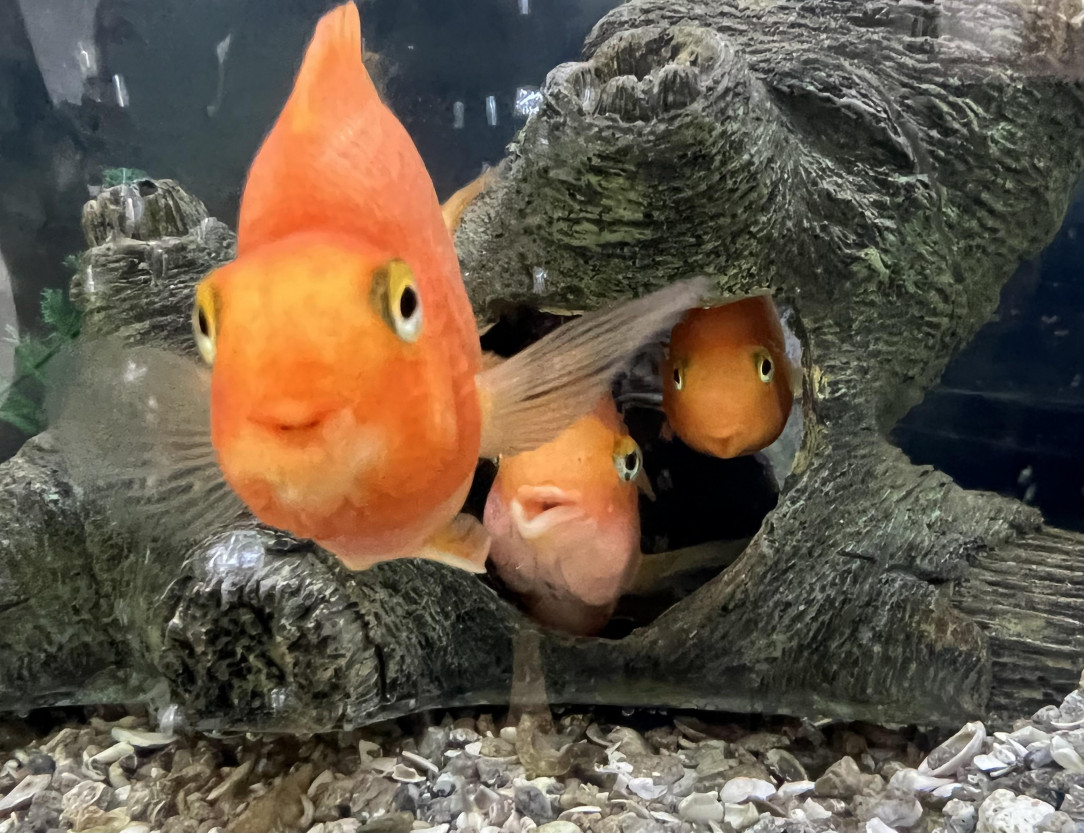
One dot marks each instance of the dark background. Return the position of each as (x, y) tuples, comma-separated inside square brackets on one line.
[(1008, 416)]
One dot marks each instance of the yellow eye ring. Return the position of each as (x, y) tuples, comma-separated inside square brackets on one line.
[(205, 321), (397, 300), (628, 460), (764, 365)]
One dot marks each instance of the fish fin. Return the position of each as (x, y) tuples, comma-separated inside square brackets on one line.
[(335, 49), (133, 425), (533, 396), (464, 544), (457, 203), (659, 568), (490, 359), (643, 483), (338, 160)]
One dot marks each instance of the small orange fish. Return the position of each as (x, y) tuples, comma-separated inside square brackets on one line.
[(728, 384), (346, 401), (565, 524)]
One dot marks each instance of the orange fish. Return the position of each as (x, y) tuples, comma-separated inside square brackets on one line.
[(565, 524), (728, 384), (346, 401)]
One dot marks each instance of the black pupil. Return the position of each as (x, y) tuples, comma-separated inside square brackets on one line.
[(630, 460), (765, 367), (677, 376), (408, 303), (202, 320)]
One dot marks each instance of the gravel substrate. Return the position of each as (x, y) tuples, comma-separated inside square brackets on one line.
[(471, 773)]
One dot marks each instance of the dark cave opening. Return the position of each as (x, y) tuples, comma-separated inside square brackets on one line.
[(703, 512)]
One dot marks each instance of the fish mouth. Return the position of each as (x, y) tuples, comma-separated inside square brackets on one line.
[(537, 510), (293, 419)]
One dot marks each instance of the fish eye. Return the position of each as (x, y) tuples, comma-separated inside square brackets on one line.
[(395, 295), (679, 377), (205, 321), (627, 459), (765, 368)]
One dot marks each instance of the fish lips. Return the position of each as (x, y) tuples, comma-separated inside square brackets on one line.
[(539, 510)]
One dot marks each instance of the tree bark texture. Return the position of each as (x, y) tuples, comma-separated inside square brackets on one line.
[(882, 167)]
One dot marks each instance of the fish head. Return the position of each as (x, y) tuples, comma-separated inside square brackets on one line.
[(565, 520), (335, 391), (727, 388)]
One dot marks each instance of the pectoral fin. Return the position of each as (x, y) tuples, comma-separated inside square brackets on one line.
[(463, 544), (537, 393)]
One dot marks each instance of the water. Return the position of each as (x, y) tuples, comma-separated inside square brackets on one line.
[(187, 91)]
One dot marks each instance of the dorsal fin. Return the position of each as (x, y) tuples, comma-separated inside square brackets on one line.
[(333, 53), (337, 159)]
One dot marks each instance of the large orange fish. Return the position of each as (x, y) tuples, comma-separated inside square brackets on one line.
[(728, 384), (346, 401), (565, 524)]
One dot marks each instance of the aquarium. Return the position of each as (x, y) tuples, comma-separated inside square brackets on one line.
[(582, 416)]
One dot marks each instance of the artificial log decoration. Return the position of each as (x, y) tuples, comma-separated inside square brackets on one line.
[(881, 167)]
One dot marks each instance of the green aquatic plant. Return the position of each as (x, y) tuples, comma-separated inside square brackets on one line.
[(22, 404), (121, 176)]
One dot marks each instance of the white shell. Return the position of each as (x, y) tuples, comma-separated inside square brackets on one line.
[(1070, 713), (112, 754), (795, 788), (1063, 752), (1028, 735), (814, 811), (1002, 756), (382, 766), (740, 816), (956, 752), (142, 740), (646, 788), (418, 760), (24, 793), (738, 790), (406, 774), (594, 734), (665, 817), (913, 780), (367, 749), (700, 808)]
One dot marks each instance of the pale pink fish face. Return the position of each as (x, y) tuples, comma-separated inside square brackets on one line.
[(569, 563)]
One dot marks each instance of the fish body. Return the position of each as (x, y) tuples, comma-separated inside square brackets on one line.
[(565, 524), (728, 384), (343, 452), (347, 401)]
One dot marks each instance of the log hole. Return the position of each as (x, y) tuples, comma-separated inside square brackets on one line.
[(706, 509)]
